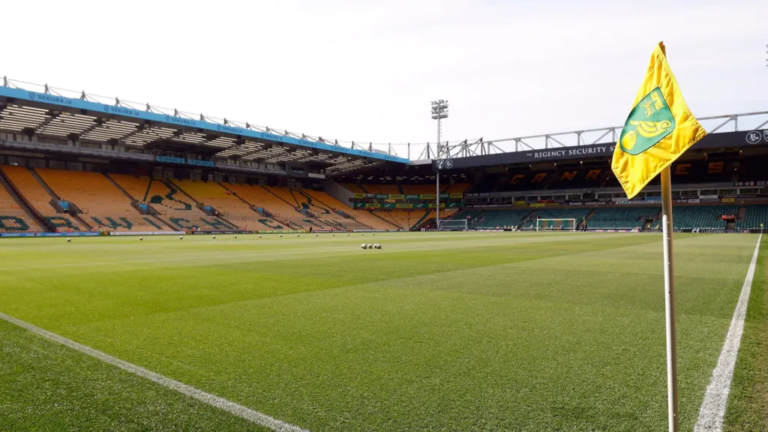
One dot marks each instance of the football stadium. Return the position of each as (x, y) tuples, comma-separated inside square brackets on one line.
[(162, 270), (228, 260)]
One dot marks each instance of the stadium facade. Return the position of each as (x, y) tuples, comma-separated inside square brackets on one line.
[(79, 166)]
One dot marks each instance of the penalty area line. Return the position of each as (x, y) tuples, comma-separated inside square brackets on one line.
[(712, 409), (207, 398)]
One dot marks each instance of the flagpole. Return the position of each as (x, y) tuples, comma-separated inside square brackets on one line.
[(669, 299)]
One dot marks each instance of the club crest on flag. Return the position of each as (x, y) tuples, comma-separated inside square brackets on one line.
[(648, 123), (658, 130)]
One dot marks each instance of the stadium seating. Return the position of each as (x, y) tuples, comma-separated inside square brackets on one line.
[(492, 219), (142, 189), (753, 217), (353, 187), (578, 214), (13, 218), (419, 189), (702, 217), (363, 217), (230, 207), (388, 189), (103, 206), (396, 189), (621, 218), (136, 186), (405, 219), (322, 212), (39, 199), (177, 209), (469, 214), (281, 210), (430, 217), (458, 188)]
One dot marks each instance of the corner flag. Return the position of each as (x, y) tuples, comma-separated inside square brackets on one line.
[(659, 128)]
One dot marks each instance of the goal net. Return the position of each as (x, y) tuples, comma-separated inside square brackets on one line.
[(555, 224), (452, 225)]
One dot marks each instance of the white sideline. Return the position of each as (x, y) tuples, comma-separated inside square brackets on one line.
[(207, 398), (713, 407)]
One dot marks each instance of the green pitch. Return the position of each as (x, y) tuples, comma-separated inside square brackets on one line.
[(446, 331)]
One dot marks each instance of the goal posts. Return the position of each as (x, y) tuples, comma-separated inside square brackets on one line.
[(453, 225), (556, 224)]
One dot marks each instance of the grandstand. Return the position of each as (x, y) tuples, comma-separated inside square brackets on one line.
[(274, 212), (754, 217), (322, 216), (579, 214), (98, 201), (229, 207), (178, 209), (13, 218), (621, 218), (41, 199), (702, 217), (89, 172), (364, 218), (71, 165), (495, 219), (404, 219)]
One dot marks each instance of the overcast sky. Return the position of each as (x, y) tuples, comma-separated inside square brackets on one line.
[(367, 70)]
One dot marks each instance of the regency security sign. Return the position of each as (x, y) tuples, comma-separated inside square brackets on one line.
[(595, 150), (603, 151), (553, 154)]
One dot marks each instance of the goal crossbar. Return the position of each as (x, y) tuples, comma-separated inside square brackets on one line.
[(561, 220)]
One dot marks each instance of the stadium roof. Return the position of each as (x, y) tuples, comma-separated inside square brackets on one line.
[(49, 114)]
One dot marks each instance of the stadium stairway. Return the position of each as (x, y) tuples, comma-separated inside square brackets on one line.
[(279, 210), (193, 190), (178, 208), (584, 221), (364, 217), (74, 210), (118, 187), (137, 189), (704, 217), (620, 218), (497, 218), (754, 215), (40, 199), (15, 215), (742, 213), (151, 216), (293, 204), (387, 217), (386, 222), (428, 218), (103, 203), (312, 215), (304, 219), (262, 221), (405, 218), (325, 213)]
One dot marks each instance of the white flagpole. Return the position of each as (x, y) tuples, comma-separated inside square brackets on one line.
[(669, 297)]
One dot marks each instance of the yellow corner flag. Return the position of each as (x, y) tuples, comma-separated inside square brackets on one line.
[(659, 129)]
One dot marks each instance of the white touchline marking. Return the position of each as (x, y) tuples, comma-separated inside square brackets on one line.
[(713, 407), (215, 401)]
